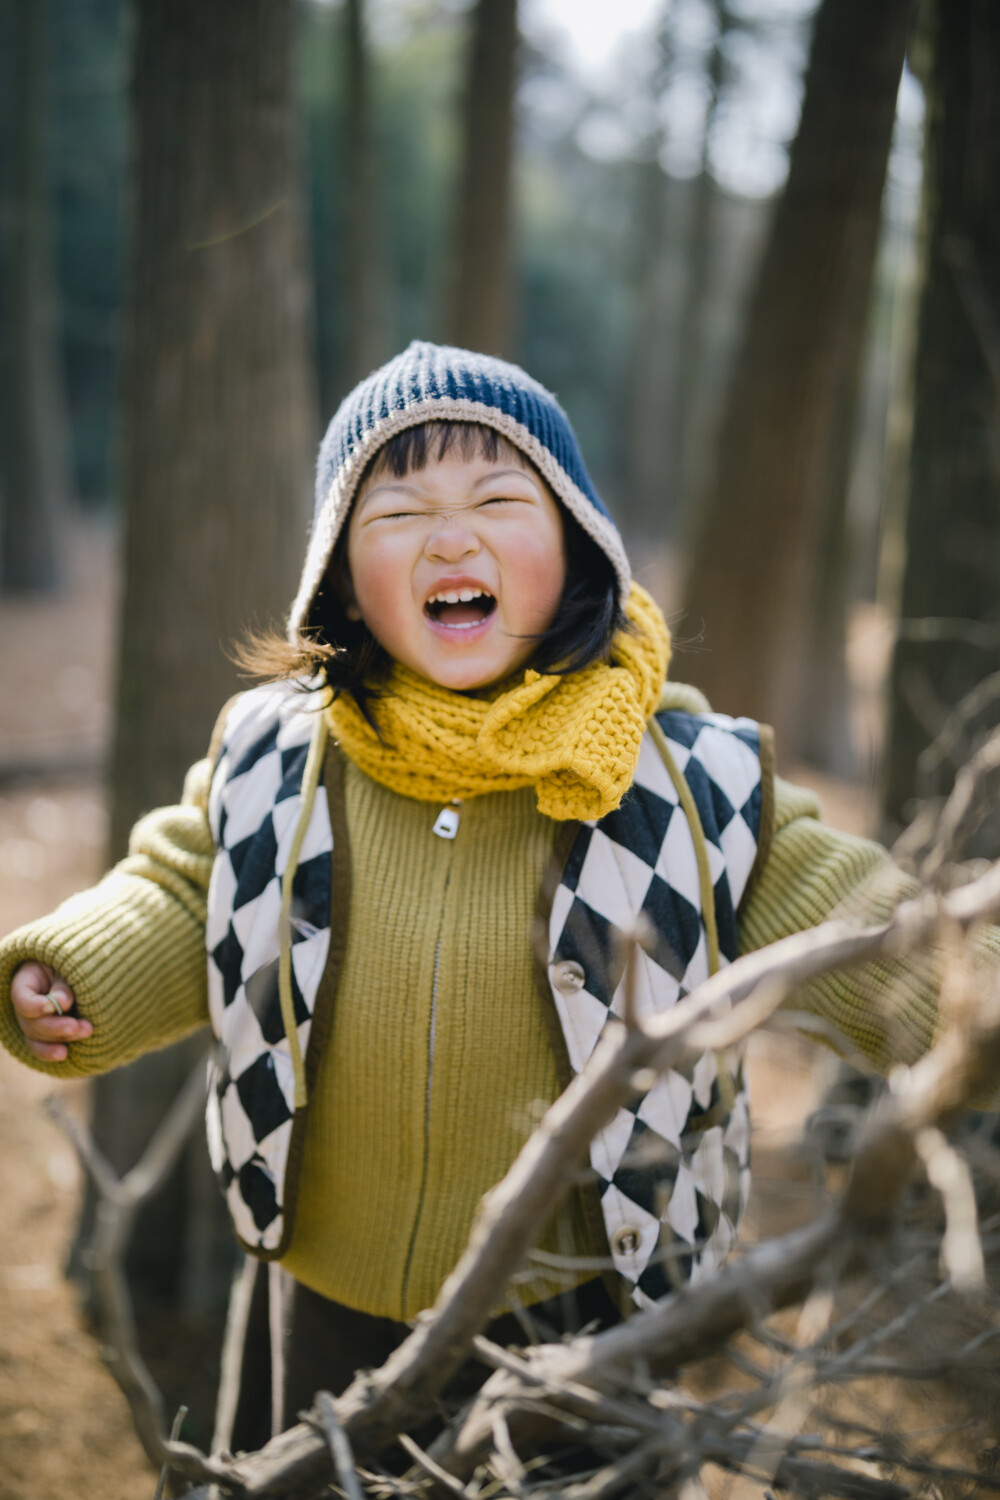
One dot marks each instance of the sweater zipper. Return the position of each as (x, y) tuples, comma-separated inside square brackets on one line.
[(425, 1166)]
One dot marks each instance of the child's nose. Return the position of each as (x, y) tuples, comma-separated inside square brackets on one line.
[(451, 538)]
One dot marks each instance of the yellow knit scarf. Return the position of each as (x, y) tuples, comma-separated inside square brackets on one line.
[(575, 738)]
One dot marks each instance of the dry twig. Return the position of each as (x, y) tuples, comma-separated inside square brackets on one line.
[(599, 1388), (118, 1202)]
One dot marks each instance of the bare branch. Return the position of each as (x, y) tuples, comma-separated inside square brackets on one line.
[(977, 786), (961, 1251), (175, 1433), (948, 739), (808, 1478), (935, 628), (376, 1407), (599, 1389), (441, 1476), (118, 1202), (705, 1316), (339, 1445), (792, 1387)]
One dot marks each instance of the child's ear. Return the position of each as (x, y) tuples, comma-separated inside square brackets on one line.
[(343, 589)]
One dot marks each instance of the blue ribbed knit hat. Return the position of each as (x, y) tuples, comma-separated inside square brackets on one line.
[(427, 383)]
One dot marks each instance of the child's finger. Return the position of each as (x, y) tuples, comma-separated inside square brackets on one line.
[(30, 983), (30, 1005), (60, 998), (37, 991), (42, 1004), (48, 1051), (57, 1029)]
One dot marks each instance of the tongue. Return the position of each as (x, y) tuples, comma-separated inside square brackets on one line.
[(462, 614)]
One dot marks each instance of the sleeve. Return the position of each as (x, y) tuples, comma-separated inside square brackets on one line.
[(133, 948), (886, 1010)]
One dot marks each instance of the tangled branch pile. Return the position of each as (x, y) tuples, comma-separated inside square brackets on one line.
[(881, 1294)]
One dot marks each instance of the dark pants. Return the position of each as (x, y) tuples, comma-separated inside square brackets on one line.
[(323, 1344)]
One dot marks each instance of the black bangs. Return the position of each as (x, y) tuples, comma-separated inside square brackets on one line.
[(429, 442)]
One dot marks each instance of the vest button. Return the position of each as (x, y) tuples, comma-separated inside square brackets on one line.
[(567, 976), (625, 1240)]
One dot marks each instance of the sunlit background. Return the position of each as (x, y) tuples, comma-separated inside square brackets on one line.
[(651, 143)]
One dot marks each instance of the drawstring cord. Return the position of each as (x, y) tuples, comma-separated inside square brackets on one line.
[(707, 889), (310, 781)]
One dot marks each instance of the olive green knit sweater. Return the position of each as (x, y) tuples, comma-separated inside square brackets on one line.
[(440, 1060)]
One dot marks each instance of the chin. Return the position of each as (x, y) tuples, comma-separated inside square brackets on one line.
[(463, 677), (465, 682)]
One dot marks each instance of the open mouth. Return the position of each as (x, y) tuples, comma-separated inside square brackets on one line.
[(460, 609)]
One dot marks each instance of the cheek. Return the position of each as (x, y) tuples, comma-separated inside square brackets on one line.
[(540, 571), (376, 583)]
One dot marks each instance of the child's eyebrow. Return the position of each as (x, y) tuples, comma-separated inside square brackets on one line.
[(495, 474), (388, 484)]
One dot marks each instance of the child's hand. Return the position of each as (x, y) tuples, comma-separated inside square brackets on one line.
[(43, 1003)]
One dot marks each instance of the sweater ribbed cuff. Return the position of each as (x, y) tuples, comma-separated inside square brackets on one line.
[(139, 995)]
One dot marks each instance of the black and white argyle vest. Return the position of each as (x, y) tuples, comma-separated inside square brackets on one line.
[(254, 808), (672, 1172)]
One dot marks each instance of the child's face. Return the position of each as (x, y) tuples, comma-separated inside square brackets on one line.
[(452, 565)]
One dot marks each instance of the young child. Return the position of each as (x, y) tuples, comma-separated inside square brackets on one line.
[(467, 739)]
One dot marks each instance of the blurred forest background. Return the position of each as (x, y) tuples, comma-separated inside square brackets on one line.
[(753, 246)]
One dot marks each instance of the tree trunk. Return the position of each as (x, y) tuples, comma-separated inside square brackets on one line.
[(650, 501), (691, 336), (364, 305), (219, 415), (821, 733), (758, 552), (34, 466), (480, 312), (218, 434), (951, 585), (651, 479)]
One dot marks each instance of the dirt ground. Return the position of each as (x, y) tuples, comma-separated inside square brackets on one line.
[(64, 1427)]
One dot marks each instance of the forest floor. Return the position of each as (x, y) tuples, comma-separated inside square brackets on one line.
[(64, 1426)]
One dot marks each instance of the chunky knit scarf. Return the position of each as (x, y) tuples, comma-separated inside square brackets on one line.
[(574, 738)]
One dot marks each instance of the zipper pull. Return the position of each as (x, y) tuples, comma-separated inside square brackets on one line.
[(447, 821)]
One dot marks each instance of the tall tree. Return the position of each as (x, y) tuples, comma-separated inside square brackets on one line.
[(480, 291), (691, 337), (219, 409), (950, 606), (653, 364), (759, 548), (651, 480), (218, 423), (363, 293), (34, 466)]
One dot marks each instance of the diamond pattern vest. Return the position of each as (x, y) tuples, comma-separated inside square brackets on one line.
[(671, 1173)]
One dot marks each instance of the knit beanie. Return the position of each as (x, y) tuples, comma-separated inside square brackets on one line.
[(433, 383)]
